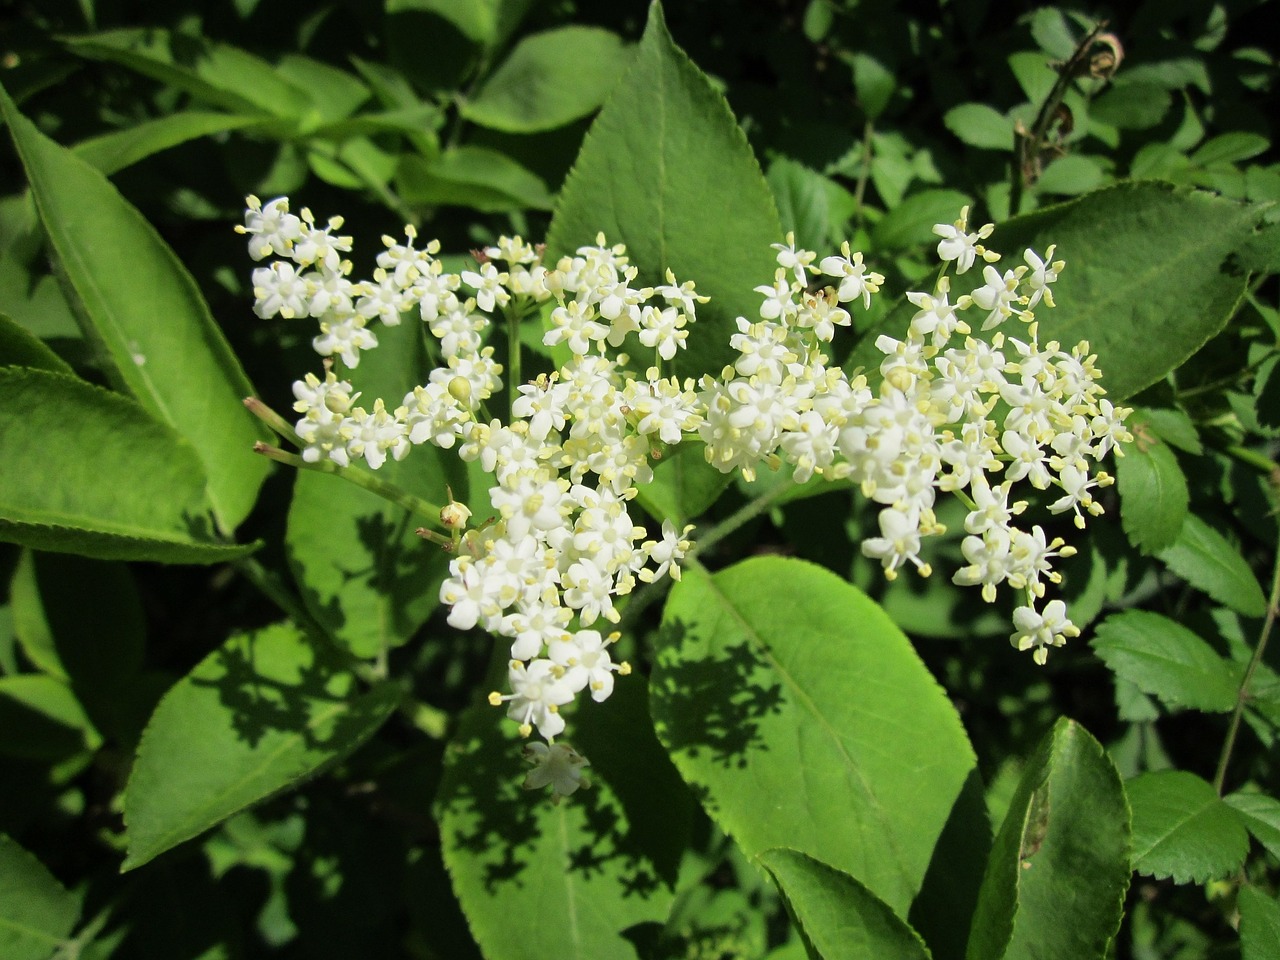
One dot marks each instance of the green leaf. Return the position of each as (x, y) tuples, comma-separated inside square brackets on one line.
[(78, 619), (366, 577), (1232, 147), (1175, 428), (148, 312), (1259, 925), (482, 21), (112, 483), (873, 82), (41, 719), (215, 73), (548, 80), (1147, 263), (471, 177), (659, 158), (1182, 829), (263, 712), (1153, 491), (1261, 816), (979, 125), (1071, 175), (1059, 866), (568, 880), (37, 914), (112, 152), (20, 348), (837, 915), (911, 222), (1131, 106), (1168, 661), (1206, 560), (779, 687), (684, 485)]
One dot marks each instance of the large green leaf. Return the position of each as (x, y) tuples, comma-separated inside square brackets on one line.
[(87, 471), (838, 916), (1183, 829), (806, 720), (572, 880), (255, 717), (1059, 866), (148, 312), (548, 80), (1148, 278), (36, 912), (365, 575), (1168, 661), (666, 170), (1207, 560), (1153, 491)]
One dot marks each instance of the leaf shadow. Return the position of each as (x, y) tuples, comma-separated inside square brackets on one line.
[(712, 701)]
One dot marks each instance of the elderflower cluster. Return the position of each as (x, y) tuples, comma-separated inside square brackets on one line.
[(952, 413)]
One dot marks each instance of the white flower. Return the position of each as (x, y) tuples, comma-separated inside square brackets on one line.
[(280, 289), (488, 284), (586, 662), (793, 259), (855, 280), (538, 692), (1040, 631), (959, 245), (556, 764), (1041, 274), (270, 228), (345, 338), (899, 541)]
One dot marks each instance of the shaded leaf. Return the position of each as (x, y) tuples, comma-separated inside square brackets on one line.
[(1182, 829), (1067, 829), (840, 917), (979, 125), (573, 879), (256, 716), (779, 687), (41, 719), (21, 348), (1165, 659), (112, 152), (473, 177), (662, 154)]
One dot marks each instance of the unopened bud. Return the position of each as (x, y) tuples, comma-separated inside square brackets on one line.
[(460, 389)]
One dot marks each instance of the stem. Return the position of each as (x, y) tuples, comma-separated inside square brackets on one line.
[(514, 316), (1242, 695), (277, 423), (742, 515), (864, 171), (1027, 148), (361, 478)]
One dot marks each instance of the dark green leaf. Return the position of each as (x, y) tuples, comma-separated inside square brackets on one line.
[(1071, 175), (41, 719), (20, 348), (1059, 866), (1207, 560), (112, 152), (684, 485), (474, 177), (569, 880), (911, 222), (1230, 147), (112, 483), (660, 157), (1261, 816), (36, 912), (548, 80), (840, 917), (1182, 829), (148, 312), (874, 83), (263, 712), (1168, 661), (1126, 282), (1259, 925), (779, 687), (216, 73)]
